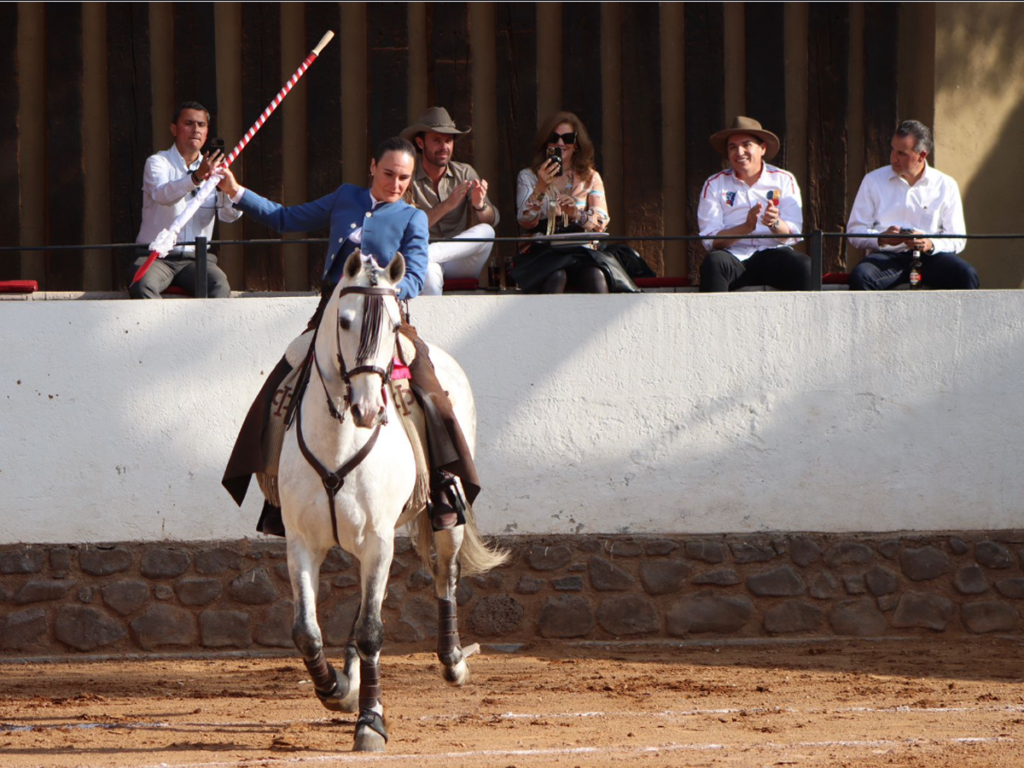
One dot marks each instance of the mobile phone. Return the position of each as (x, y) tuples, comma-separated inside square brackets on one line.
[(215, 145), (555, 153), (906, 231)]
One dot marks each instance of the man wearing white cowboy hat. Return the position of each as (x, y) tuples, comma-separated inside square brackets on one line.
[(454, 198), (751, 198)]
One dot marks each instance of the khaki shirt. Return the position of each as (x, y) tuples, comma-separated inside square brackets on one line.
[(425, 198)]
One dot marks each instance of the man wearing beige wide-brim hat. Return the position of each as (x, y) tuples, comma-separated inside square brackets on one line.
[(751, 197), (454, 198)]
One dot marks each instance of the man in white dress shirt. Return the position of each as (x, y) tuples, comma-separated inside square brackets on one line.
[(751, 197), (170, 180), (897, 206)]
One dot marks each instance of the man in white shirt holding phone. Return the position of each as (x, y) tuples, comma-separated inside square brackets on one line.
[(896, 207)]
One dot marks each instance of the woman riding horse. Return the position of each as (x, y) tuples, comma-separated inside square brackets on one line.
[(377, 221)]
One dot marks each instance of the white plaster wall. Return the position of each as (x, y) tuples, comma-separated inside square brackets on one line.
[(670, 413)]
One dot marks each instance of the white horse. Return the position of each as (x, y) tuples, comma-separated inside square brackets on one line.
[(347, 470)]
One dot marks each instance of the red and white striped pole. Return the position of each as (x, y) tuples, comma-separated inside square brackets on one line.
[(167, 238)]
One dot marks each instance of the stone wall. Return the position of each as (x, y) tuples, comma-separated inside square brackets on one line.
[(122, 598)]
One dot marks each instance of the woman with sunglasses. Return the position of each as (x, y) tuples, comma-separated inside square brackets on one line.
[(553, 197)]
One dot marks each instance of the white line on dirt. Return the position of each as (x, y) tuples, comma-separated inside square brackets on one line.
[(12, 728), (731, 711), (582, 751)]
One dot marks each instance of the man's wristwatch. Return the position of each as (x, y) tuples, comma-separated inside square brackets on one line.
[(483, 207), (193, 177), (775, 227)]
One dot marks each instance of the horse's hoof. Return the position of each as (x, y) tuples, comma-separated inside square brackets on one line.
[(371, 732), (457, 674), (368, 741), (341, 698)]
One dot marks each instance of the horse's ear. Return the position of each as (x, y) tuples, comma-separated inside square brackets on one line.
[(354, 264), (396, 268)]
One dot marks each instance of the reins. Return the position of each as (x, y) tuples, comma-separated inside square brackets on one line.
[(369, 343)]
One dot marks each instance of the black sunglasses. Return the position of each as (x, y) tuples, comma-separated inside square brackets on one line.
[(568, 138)]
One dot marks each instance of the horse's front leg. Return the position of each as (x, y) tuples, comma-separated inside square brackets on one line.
[(332, 689), (368, 634), (446, 581)]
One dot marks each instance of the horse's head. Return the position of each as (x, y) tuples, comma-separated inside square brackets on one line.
[(367, 321)]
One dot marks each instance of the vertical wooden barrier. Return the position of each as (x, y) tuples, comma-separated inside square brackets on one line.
[(516, 30), (881, 84), (325, 161), (65, 178), (195, 57), (387, 45), (641, 129), (825, 200), (261, 80), (10, 203), (766, 75), (704, 30), (130, 106), (581, 70), (450, 78)]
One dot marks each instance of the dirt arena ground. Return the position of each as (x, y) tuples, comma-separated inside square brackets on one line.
[(858, 703)]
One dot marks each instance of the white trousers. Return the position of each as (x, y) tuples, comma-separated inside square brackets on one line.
[(457, 259)]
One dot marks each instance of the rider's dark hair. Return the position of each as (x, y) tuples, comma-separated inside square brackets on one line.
[(394, 144), (190, 105)]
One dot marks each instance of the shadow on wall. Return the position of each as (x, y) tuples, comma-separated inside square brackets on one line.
[(978, 76), (786, 440), (990, 207)]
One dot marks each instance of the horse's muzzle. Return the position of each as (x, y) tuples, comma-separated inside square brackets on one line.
[(367, 417)]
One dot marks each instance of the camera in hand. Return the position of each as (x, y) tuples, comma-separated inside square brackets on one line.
[(555, 153), (214, 145)]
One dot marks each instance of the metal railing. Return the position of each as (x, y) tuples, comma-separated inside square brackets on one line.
[(815, 246)]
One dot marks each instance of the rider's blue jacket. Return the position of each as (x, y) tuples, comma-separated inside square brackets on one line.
[(386, 228)]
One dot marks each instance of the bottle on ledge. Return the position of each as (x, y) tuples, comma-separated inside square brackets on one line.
[(915, 269)]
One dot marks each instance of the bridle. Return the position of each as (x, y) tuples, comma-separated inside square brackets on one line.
[(369, 348)]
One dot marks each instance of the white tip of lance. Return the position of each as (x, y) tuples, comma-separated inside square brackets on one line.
[(164, 243), (323, 42)]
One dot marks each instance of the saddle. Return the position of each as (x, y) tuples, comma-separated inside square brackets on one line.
[(282, 409)]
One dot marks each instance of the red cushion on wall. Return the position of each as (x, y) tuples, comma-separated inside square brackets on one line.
[(661, 282), (18, 286), (836, 278), (461, 284)]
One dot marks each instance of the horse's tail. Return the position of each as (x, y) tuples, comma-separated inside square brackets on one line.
[(475, 554)]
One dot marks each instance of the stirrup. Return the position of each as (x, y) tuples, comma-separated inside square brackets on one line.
[(447, 506)]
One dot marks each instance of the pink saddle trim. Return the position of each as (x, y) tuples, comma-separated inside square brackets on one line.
[(400, 370)]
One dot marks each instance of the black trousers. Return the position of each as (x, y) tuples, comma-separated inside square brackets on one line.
[(781, 268)]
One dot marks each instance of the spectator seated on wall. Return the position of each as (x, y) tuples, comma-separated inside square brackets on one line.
[(170, 180), (901, 202), (453, 195), (751, 197), (561, 194)]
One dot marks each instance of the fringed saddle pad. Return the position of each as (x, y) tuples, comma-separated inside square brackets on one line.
[(409, 413)]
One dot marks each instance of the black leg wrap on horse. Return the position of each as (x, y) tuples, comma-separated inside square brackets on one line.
[(328, 685), (447, 633), (369, 685), (373, 721), (322, 673)]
